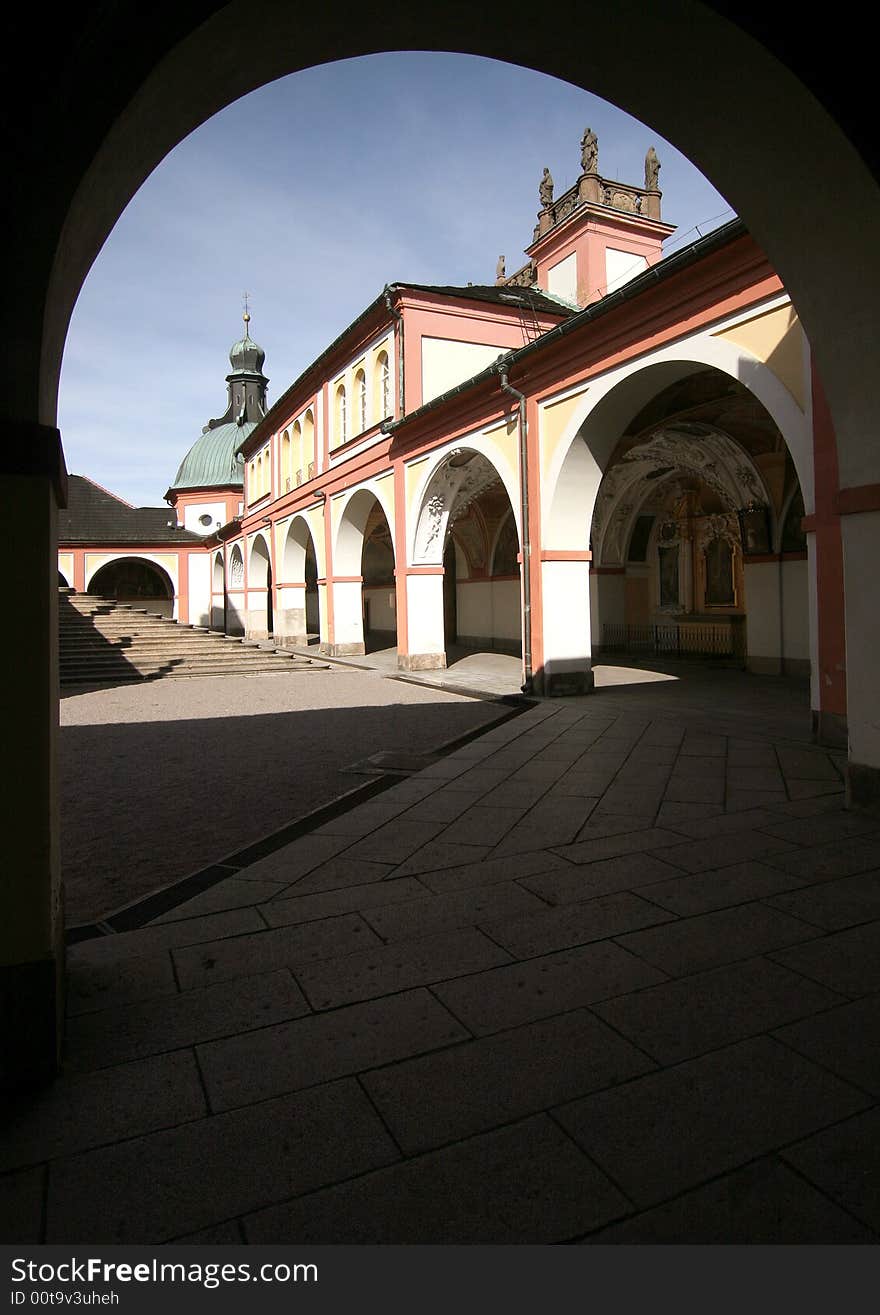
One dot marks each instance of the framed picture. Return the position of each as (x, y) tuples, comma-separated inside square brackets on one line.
[(754, 528)]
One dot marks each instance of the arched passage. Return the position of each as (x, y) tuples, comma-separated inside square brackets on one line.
[(236, 606), (678, 482), (260, 600), (466, 543), (106, 142), (134, 580), (299, 613), (218, 593), (364, 605)]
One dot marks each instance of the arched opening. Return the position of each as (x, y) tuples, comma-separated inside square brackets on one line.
[(134, 580), (218, 593), (236, 605), (62, 582), (260, 609), (298, 619), (467, 524), (683, 481), (364, 603)]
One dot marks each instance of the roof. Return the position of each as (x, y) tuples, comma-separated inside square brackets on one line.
[(517, 298), (211, 462), (499, 295), (94, 515)]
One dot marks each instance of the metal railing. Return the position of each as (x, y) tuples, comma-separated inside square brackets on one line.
[(721, 639)]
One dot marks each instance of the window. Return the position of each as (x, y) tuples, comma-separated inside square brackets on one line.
[(341, 415), (360, 383), (206, 518), (383, 382)]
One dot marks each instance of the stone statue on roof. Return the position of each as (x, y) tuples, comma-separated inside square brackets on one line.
[(589, 151), (545, 188), (499, 270), (652, 170)]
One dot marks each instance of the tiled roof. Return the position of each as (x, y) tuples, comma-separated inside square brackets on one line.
[(499, 295), (93, 515)]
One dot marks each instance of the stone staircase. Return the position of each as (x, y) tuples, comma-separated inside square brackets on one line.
[(105, 642)]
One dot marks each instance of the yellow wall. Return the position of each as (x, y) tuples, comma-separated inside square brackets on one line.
[(553, 421), (775, 338)]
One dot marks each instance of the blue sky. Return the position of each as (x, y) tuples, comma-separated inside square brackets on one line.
[(313, 193)]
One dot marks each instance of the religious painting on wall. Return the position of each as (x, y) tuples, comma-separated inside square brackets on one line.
[(720, 588), (755, 531), (668, 559)]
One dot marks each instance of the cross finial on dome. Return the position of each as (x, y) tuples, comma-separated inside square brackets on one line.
[(246, 317)]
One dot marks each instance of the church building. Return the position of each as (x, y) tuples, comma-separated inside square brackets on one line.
[(604, 451)]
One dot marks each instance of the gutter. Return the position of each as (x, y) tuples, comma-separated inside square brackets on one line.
[(524, 519)]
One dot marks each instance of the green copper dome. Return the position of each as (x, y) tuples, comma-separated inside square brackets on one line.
[(211, 461)]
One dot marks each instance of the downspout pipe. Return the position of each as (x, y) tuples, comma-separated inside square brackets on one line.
[(528, 675), (398, 320)]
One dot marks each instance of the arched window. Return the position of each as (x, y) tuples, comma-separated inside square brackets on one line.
[(360, 385), (297, 468), (341, 415), (286, 465), (383, 384), (308, 445)]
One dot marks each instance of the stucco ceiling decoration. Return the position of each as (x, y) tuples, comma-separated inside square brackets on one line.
[(685, 448), (455, 486)]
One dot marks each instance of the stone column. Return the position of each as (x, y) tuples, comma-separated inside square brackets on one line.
[(290, 618), (426, 642), (348, 618), (861, 553), (565, 604)]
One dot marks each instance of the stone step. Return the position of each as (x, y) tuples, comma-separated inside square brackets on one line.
[(106, 642)]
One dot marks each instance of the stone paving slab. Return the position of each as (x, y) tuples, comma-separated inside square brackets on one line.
[(626, 842), (516, 867), (589, 880), (290, 1056), (232, 893), (340, 873), (845, 1040), (844, 1162), (847, 961), (574, 924), (396, 967), (711, 939), (477, 906), (95, 986), (150, 1189), (681, 1019), (704, 892), (482, 1084), (440, 855), (764, 1203), (669, 1131), (278, 947), (124, 946), (90, 1109), (525, 1184), (293, 908), (835, 905), (293, 861), (114, 1036), (710, 1005), (21, 1206), (535, 988), (845, 858)]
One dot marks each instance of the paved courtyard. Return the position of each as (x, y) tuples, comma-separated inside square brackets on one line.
[(609, 973)]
